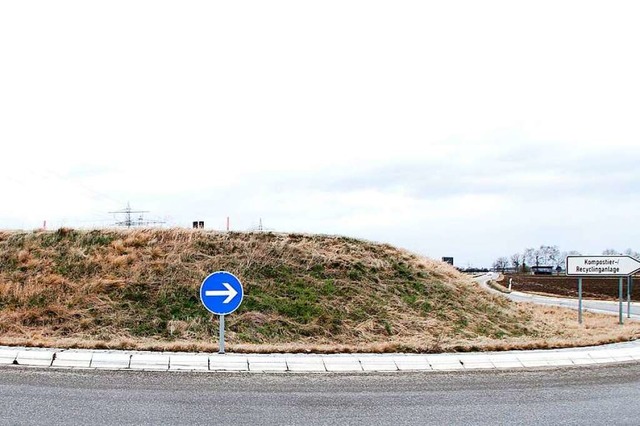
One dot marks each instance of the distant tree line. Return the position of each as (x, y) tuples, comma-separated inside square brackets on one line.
[(546, 256), (471, 269)]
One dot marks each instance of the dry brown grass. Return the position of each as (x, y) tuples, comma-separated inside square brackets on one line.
[(138, 289)]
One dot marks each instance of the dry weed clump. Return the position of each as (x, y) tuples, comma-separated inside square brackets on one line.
[(138, 289)]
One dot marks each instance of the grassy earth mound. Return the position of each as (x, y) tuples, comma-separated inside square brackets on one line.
[(138, 289)]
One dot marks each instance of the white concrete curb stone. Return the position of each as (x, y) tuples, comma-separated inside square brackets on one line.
[(8, 356), (35, 357), (342, 363), (306, 363), (377, 363), (151, 362), (190, 362), (73, 359), (112, 360), (475, 362), (444, 362), (412, 363), (228, 363), (505, 361), (267, 363)]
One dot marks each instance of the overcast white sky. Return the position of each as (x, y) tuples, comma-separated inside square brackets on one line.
[(450, 128)]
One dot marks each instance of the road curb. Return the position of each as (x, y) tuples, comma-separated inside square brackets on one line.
[(628, 352)]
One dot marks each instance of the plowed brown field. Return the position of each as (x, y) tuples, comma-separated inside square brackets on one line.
[(592, 288)]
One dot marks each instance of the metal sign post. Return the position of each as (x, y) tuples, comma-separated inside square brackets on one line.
[(620, 294), (221, 293), (221, 351), (629, 281), (580, 300)]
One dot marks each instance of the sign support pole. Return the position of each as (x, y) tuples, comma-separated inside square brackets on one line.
[(221, 294), (221, 351), (580, 300), (629, 296), (620, 294)]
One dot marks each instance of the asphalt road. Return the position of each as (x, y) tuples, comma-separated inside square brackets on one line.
[(612, 308), (600, 395)]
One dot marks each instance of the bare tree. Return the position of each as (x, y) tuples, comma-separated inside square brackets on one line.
[(611, 252), (565, 254), (548, 255), (529, 257), (516, 260), (501, 264)]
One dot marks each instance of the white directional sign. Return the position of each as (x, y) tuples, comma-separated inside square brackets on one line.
[(616, 266)]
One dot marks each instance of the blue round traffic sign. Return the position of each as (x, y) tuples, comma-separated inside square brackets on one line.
[(221, 293)]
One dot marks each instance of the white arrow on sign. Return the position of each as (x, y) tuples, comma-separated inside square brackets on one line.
[(230, 292), (602, 265)]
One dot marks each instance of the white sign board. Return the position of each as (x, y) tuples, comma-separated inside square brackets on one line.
[(602, 266)]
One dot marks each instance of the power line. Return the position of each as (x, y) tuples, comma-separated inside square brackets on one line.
[(260, 227), (129, 221)]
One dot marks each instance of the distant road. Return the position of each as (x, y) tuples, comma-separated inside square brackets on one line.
[(594, 395), (590, 305)]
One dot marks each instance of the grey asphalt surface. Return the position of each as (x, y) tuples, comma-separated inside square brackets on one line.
[(607, 307), (577, 395)]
